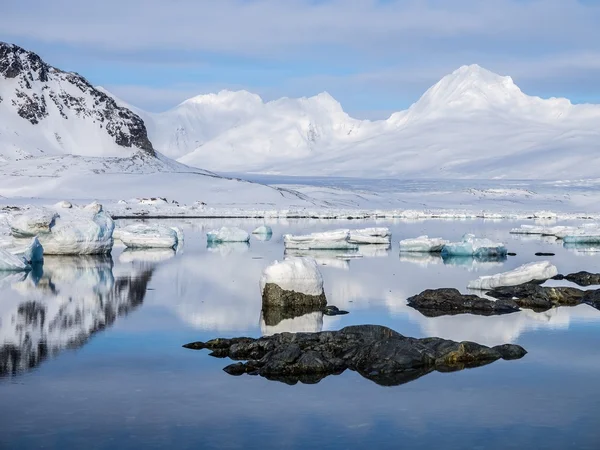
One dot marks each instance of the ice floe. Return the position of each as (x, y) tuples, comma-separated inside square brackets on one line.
[(370, 236), (141, 235), (422, 244), (327, 240), (263, 230), (542, 270), (473, 246), (227, 234), (12, 263), (31, 222)]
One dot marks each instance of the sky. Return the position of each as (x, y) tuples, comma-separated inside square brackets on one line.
[(374, 56)]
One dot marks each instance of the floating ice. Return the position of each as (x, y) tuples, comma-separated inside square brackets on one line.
[(142, 235), (263, 230), (32, 222), (12, 263), (327, 240), (528, 229), (542, 270), (583, 239), (422, 244), (300, 275), (29, 249), (370, 236), (472, 246), (80, 232), (227, 234)]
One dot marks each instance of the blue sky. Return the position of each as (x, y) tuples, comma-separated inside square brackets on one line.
[(374, 56)]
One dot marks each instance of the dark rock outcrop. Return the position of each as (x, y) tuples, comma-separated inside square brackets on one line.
[(539, 298), (447, 301), (40, 85), (582, 278), (377, 353)]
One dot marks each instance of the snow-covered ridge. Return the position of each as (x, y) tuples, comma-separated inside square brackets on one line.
[(471, 110), (46, 111)]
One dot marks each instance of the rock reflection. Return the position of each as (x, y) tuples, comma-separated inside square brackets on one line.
[(275, 320), (61, 307)]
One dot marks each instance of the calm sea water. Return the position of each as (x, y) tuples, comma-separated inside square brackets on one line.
[(92, 358)]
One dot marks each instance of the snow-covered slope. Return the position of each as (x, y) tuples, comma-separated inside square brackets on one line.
[(45, 111), (473, 123)]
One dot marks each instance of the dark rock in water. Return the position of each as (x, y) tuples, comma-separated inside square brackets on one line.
[(511, 254), (545, 254), (583, 278), (376, 352), (273, 295), (334, 311), (445, 301), (539, 298)]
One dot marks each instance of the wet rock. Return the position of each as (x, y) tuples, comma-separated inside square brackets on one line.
[(539, 298), (273, 295), (583, 278), (331, 310), (592, 298), (545, 254), (446, 301), (511, 254), (376, 352)]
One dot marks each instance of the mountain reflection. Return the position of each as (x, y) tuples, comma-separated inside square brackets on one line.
[(60, 305)]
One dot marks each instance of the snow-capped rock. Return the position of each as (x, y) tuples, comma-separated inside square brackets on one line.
[(300, 275)]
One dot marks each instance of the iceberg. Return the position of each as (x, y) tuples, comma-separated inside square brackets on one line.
[(327, 240), (528, 229), (472, 246), (542, 270), (422, 244), (12, 263), (582, 238), (141, 235), (264, 230), (81, 232), (32, 222), (370, 236), (227, 234), (29, 249)]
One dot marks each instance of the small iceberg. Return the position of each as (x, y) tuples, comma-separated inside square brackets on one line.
[(264, 230), (327, 240), (473, 246), (542, 270), (86, 231), (227, 234), (30, 250), (582, 238), (142, 235), (422, 244), (295, 282), (370, 236)]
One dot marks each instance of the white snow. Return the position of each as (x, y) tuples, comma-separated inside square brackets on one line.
[(300, 275), (264, 230), (326, 240), (143, 235), (32, 222), (422, 244), (542, 270), (370, 236), (473, 246), (227, 234)]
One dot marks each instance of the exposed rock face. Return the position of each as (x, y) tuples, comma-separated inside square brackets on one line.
[(39, 85), (376, 352), (275, 296), (440, 302)]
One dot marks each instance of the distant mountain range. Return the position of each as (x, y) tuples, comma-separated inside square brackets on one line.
[(471, 124)]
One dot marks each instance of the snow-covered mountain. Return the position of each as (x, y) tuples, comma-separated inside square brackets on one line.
[(472, 123), (45, 111)]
